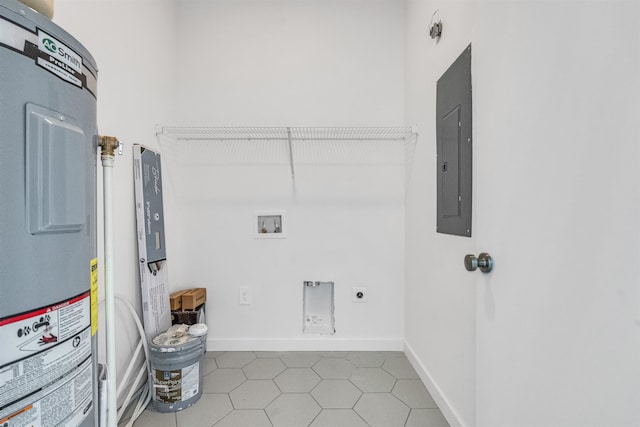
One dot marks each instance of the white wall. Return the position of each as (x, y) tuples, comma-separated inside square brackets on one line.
[(300, 63), (296, 63), (342, 224), (556, 202)]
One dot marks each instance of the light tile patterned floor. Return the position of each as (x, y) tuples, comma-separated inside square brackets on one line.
[(306, 389)]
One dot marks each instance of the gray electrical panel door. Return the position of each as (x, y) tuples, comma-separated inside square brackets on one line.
[(453, 129)]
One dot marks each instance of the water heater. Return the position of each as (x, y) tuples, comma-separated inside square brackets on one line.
[(48, 248)]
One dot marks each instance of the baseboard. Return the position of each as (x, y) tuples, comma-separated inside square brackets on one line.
[(441, 400), (320, 343)]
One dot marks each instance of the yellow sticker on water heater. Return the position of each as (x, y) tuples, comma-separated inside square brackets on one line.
[(94, 296)]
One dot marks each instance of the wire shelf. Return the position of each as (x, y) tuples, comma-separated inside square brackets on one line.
[(287, 133), (296, 148)]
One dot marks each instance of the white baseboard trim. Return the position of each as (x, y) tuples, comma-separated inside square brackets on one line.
[(441, 400), (322, 343)]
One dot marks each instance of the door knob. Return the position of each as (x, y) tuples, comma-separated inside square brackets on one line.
[(484, 261)]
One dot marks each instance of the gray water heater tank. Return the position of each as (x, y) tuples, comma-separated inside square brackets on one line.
[(48, 247)]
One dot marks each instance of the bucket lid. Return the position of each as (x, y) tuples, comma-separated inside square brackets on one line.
[(198, 330)]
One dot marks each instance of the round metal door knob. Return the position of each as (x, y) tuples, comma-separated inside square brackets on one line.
[(470, 262), (483, 261)]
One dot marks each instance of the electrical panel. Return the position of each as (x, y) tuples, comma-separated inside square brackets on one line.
[(454, 147)]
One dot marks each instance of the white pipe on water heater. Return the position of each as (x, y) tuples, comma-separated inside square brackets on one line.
[(108, 146)]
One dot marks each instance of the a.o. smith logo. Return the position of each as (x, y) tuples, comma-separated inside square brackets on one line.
[(61, 56), (50, 45)]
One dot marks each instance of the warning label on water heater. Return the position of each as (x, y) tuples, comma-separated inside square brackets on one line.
[(59, 59), (46, 365), (28, 333), (66, 403)]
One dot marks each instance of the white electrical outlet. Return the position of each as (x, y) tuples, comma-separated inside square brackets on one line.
[(359, 294), (244, 295)]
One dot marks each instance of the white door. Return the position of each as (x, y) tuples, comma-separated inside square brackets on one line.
[(557, 206)]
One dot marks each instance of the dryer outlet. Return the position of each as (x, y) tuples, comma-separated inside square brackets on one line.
[(359, 294)]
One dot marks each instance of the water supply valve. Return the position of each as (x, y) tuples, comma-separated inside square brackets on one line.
[(108, 145)]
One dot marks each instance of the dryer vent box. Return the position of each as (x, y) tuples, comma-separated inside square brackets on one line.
[(318, 308)]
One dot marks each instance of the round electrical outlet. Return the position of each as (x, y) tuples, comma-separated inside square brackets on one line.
[(359, 294)]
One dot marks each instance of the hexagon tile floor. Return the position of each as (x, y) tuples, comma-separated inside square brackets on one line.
[(306, 389)]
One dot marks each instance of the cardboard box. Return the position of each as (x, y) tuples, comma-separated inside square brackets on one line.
[(175, 299), (194, 298)]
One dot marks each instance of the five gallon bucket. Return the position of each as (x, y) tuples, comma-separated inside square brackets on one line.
[(176, 359)]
